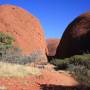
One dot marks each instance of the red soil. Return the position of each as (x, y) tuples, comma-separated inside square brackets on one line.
[(33, 82)]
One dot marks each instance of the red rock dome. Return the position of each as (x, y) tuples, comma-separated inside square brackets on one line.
[(24, 27), (26, 30), (52, 44), (76, 38)]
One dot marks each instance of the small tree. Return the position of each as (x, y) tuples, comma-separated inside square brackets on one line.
[(6, 42), (5, 39)]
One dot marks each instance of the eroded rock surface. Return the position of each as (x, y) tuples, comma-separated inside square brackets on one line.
[(25, 28), (76, 38), (52, 45)]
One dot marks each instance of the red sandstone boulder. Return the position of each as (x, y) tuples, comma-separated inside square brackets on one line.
[(52, 45), (24, 27), (76, 38)]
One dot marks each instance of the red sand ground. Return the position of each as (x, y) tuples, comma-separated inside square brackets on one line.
[(33, 82)]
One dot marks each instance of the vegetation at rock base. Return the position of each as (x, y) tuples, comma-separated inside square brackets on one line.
[(78, 65), (12, 54), (11, 57)]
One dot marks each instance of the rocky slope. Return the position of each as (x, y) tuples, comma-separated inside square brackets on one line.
[(25, 28), (52, 44), (76, 38)]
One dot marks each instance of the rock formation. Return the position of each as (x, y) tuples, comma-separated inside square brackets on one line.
[(76, 38), (24, 27), (52, 45)]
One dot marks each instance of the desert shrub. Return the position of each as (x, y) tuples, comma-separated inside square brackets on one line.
[(14, 55), (60, 63), (76, 60), (6, 42), (11, 54), (82, 74), (38, 55), (6, 39), (83, 60), (78, 65)]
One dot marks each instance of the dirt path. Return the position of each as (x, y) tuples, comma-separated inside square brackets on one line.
[(33, 82)]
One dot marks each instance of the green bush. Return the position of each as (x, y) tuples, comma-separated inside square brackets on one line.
[(78, 65), (81, 68), (6, 42), (82, 74), (83, 60), (60, 63), (6, 39)]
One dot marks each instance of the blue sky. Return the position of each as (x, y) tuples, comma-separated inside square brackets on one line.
[(54, 15)]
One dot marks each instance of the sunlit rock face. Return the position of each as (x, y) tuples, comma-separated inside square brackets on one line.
[(52, 44), (76, 37), (25, 28)]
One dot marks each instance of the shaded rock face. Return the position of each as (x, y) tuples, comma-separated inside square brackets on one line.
[(52, 45), (24, 27), (76, 38)]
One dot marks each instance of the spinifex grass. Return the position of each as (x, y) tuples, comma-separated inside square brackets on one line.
[(15, 70)]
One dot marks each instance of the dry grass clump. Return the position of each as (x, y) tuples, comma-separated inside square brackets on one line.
[(16, 70)]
